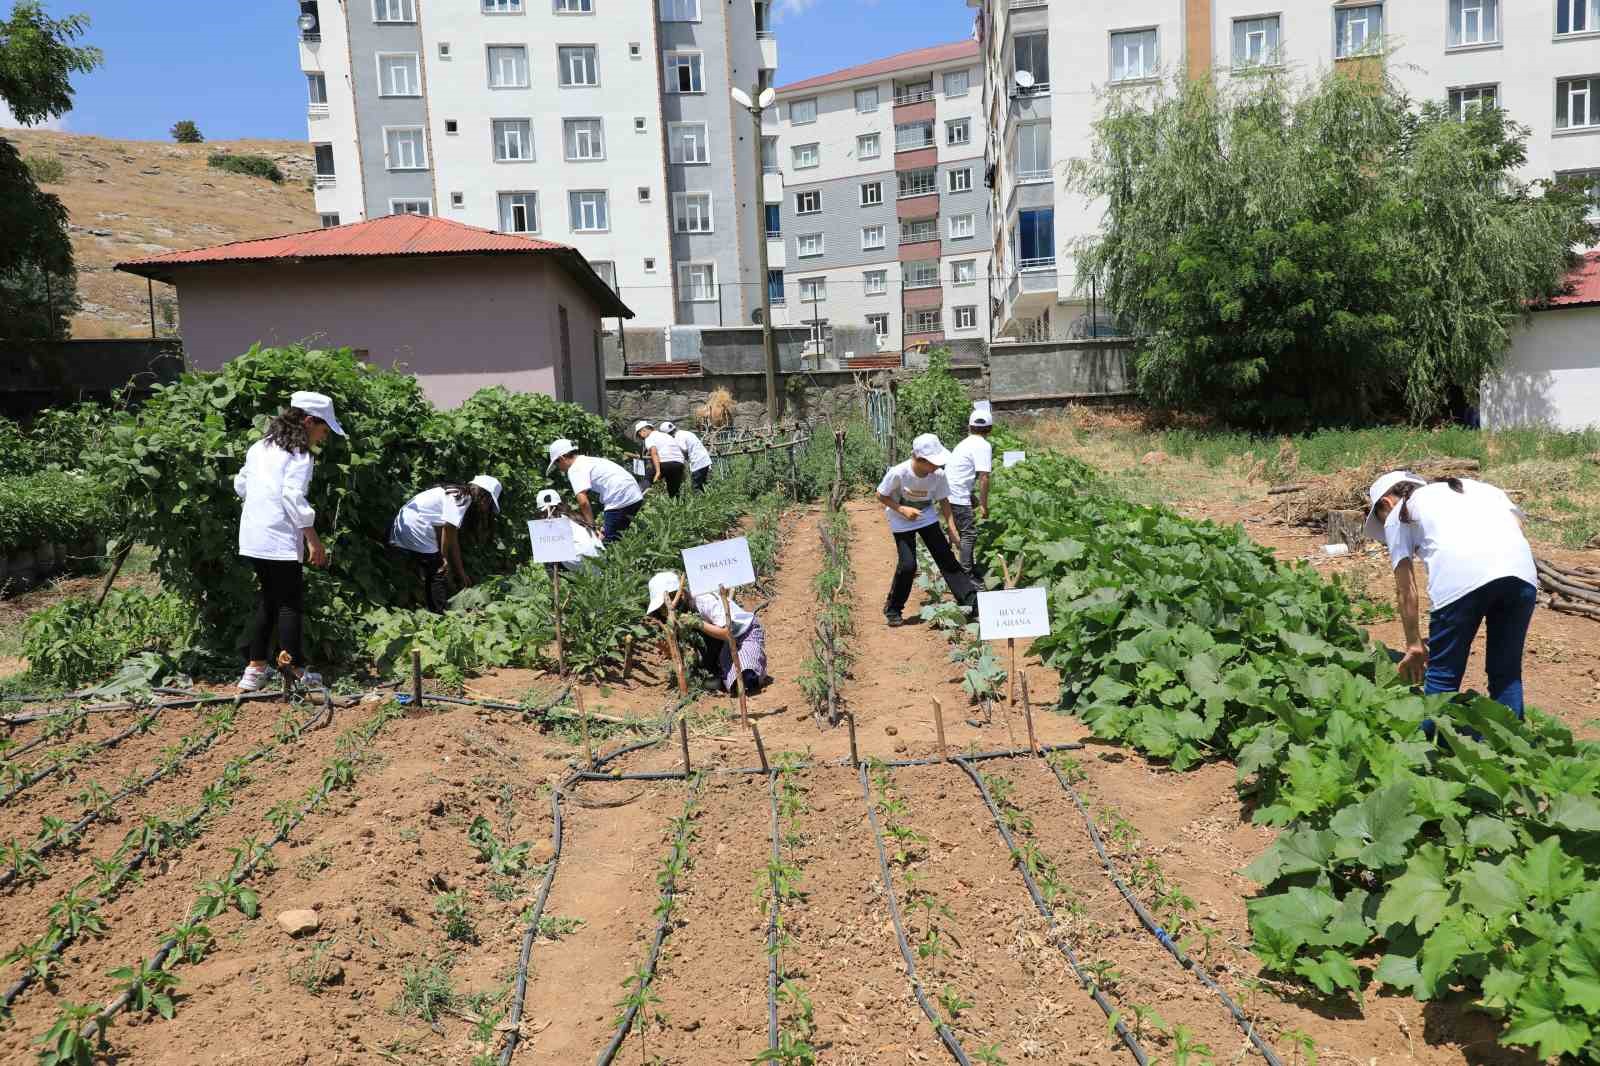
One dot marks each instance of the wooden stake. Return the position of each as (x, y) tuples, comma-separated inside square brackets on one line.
[(627, 657), (733, 653), (683, 737), (672, 645), (855, 760), (555, 596), (1011, 642), (1027, 712), (938, 725), (761, 749), (583, 726), (416, 678)]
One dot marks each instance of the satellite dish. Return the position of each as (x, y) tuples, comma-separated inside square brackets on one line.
[(755, 316), (767, 96), (740, 97), (1024, 80), (308, 22)]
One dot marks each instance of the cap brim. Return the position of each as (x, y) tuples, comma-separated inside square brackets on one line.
[(333, 423), (938, 460), (1373, 528)]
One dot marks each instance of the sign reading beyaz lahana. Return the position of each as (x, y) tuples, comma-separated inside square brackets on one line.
[(552, 541), (725, 563), (1013, 613), (1012, 458)]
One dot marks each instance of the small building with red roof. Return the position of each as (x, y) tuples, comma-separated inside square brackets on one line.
[(1552, 373), (460, 307)]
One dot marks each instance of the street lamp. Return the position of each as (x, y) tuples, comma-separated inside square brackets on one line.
[(764, 99)]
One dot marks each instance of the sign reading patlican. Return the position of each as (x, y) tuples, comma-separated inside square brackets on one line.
[(1013, 613), (552, 541), (1013, 458), (727, 562)]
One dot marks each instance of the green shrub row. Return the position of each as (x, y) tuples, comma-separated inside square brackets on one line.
[(50, 508), (56, 440), (71, 644), (255, 166)]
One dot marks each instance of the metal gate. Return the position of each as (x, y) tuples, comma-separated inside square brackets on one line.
[(878, 406)]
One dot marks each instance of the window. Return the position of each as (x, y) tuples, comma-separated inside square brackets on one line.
[(397, 75), (680, 10), (328, 221), (965, 317), (394, 11), (458, 199), (643, 192), (802, 112), (1589, 181), (875, 282), (508, 66), (774, 219), (1577, 16), (404, 149), (913, 135), (1036, 238), (698, 281), (963, 271), (957, 82), (769, 155), (871, 193), (635, 50), (1356, 30), (317, 90), (1474, 22), (607, 270), (919, 182), (583, 138), (411, 207), (1472, 99), (808, 245), (959, 180), (451, 126), (958, 131), (821, 333), (578, 65), (962, 226), (574, 7), (692, 211), (867, 146), (911, 93), (685, 72), (519, 212), (513, 140), (1133, 55), (1031, 52), (866, 100), (590, 211), (813, 290), (323, 153), (687, 142), (638, 125), (879, 324), (926, 321), (1578, 103), (806, 156), (444, 49), (914, 231), (872, 237), (1032, 152), (649, 264), (507, 7), (775, 286), (808, 202), (1255, 42)]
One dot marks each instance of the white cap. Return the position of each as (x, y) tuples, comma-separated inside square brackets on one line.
[(980, 416), (669, 428), (548, 499), (491, 485), (558, 448), (664, 584), (1380, 488), (643, 423), (319, 406), (928, 447)]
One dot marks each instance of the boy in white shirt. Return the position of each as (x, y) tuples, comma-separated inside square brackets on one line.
[(968, 474), (664, 453), (619, 493), (695, 452), (908, 493)]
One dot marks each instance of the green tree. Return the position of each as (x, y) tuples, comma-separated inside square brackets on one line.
[(1296, 254), (184, 131), (933, 402)]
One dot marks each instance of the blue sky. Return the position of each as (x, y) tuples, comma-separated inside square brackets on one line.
[(233, 68)]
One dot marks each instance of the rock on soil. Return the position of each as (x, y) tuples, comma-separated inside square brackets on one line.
[(300, 922)]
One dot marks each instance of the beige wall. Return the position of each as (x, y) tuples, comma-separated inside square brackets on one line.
[(458, 324), (1552, 373)]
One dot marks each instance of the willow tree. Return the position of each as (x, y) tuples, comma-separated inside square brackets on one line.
[(1298, 254)]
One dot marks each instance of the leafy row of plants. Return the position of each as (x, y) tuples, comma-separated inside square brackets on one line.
[(1463, 860), (831, 657), (778, 888), (56, 438), (51, 507), (72, 642)]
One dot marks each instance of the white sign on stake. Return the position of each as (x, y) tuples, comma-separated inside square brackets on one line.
[(1013, 458), (1013, 613), (552, 541), (727, 562), (638, 468)]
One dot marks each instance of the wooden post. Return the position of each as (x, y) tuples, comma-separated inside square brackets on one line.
[(1027, 713), (416, 678), (555, 596), (583, 726), (627, 657), (733, 652), (850, 719), (761, 749), (672, 643), (938, 725), (1011, 642), (683, 737)]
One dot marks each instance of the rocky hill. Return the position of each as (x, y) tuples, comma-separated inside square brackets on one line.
[(133, 198)]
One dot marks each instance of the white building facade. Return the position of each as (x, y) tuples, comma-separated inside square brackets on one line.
[(876, 208), (604, 124)]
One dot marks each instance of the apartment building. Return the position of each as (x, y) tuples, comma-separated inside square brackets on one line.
[(876, 209), (1047, 62), (603, 124)]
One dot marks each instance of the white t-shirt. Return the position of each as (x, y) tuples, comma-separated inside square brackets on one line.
[(614, 485), (1466, 539), (903, 486), (414, 528), (709, 607), (667, 447), (587, 544), (699, 458), (973, 456), (273, 483)]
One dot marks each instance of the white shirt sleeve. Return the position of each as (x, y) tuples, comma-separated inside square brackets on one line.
[(240, 483), (578, 477), (296, 481), (452, 511), (1397, 535), (983, 458), (890, 485), (709, 606)]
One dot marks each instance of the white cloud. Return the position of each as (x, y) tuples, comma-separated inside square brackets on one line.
[(9, 121), (784, 8)]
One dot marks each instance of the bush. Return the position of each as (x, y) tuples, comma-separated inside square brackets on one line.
[(46, 169), (51, 508), (184, 131), (256, 166), (70, 643), (933, 402)]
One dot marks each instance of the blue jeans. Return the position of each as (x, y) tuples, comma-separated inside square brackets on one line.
[(1506, 605), (617, 519)]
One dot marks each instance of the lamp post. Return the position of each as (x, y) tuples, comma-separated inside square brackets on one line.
[(764, 99)]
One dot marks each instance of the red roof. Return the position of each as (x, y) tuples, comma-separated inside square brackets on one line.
[(1583, 284), (922, 57), (385, 237)]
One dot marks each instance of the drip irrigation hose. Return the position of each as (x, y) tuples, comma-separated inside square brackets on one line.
[(772, 924), (1048, 914), (939, 1027), (142, 725), (1161, 935), (132, 705), (900, 764)]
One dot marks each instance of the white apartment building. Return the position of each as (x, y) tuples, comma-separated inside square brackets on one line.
[(876, 208), (1047, 62), (603, 124)]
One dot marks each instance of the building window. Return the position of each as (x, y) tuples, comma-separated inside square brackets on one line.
[(411, 207), (328, 221), (635, 50), (919, 182), (962, 226), (444, 49), (692, 211), (508, 66), (913, 92), (803, 112), (875, 282), (698, 282), (958, 131), (1474, 98), (590, 210), (808, 202), (917, 230), (397, 74), (519, 212), (775, 287), (923, 274), (769, 155), (774, 219), (1032, 152), (506, 7), (813, 290), (405, 149), (1588, 181), (957, 82), (451, 126), (680, 10), (1031, 52), (649, 264), (513, 140), (1577, 16), (963, 271), (643, 192), (458, 199), (394, 11), (1255, 42), (1474, 22), (1036, 238), (1356, 30), (685, 72), (687, 142), (323, 155), (871, 193), (964, 317), (959, 180), (924, 321), (806, 156), (1134, 55), (317, 90), (578, 65), (1578, 103), (867, 146), (866, 100), (574, 7), (913, 135), (638, 125), (584, 138), (879, 324), (808, 245), (607, 271), (872, 237), (821, 334)]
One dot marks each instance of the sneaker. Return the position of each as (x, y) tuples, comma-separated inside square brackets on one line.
[(255, 678), (894, 618)]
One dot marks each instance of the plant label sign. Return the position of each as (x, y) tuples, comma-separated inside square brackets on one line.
[(638, 468), (552, 541), (1012, 458), (727, 562), (1013, 613)]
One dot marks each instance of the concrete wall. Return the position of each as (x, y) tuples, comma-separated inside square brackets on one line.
[(1060, 370), (1552, 373)]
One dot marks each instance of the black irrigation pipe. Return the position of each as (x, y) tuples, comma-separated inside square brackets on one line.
[(1049, 916), (144, 724), (1161, 935), (939, 1027), (900, 764), (131, 705), (772, 923)]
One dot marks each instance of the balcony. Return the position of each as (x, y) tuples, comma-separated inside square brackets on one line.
[(325, 181), (1023, 5), (317, 111)]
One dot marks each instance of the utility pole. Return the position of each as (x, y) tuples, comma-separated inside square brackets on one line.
[(756, 103)]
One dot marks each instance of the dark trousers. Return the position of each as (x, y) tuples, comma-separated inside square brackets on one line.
[(905, 570), (1505, 605), (698, 479), (966, 517), (435, 577), (616, 520), (280, 610), (672, 474)]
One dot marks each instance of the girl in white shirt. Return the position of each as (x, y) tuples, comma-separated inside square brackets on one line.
[(429, 529), (748, 636), (665, 454)]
